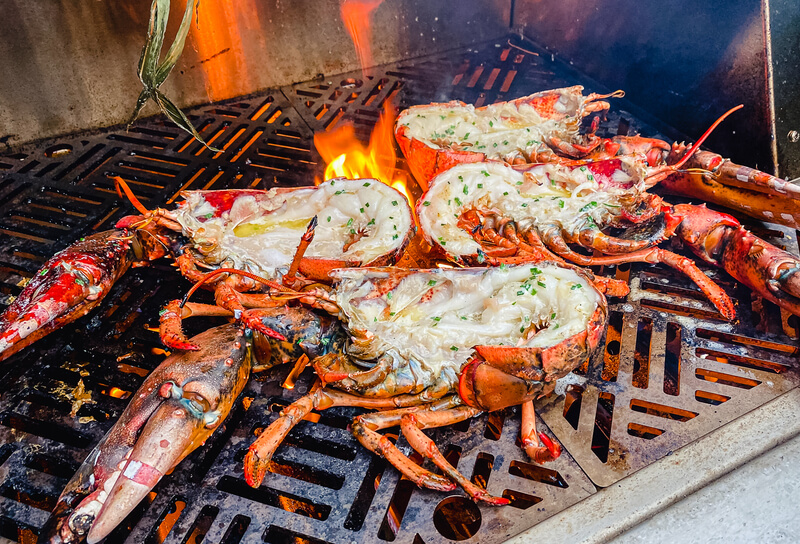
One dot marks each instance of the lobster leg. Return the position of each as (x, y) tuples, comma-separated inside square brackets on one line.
[(550, 451), (364, 429), (609, 245), (575, 150), (261, 451), (308, 237), (67, 287), (170, 322), (654, 255), (412, 424), (336, 368), (176, 409)]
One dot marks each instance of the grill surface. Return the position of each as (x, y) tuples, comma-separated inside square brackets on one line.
[(671, 370)]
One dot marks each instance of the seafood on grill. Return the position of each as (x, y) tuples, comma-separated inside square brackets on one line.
[(509, 132), (429, 348), (494, 212), (358, 222), (535, 128), (426, 347)]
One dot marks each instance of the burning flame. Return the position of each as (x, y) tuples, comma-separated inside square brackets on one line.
[(355, 14), (347, 157)]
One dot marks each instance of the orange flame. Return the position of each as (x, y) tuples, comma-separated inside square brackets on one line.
[(347, 157), (355, 14)]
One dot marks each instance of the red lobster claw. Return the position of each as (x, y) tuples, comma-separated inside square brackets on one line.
[(176, 409), (719, 239), (69, 285)]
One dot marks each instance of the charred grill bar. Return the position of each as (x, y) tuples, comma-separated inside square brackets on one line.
[(670, 371)]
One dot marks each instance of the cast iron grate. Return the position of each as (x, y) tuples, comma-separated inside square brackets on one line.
[(670, 371)]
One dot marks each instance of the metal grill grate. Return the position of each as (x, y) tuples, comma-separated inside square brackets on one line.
[(670, 371)]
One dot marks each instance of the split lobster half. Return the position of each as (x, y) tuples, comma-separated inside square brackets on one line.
[(351, 223), (427, 347), (431, 348), (492, 212), (536, 128)]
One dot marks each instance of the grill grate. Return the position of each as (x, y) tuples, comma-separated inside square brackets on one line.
[(671, 371)]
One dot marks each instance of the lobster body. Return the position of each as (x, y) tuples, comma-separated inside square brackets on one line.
[(438, 346)]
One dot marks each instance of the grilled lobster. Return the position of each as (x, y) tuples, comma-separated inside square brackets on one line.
[(606, 182), (434, 347)]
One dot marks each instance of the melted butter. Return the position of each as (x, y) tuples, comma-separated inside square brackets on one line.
[(253, 229)]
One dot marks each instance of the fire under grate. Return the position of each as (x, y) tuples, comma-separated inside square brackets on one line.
[(670, 372)]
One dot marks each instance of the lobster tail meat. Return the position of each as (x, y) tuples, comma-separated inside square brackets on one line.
[(532, 324), (176, 409), (436, 137), (67, 287), (360, 222)]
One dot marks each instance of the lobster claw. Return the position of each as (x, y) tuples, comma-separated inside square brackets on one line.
[(67, 287), (719, 239), (176, 409)]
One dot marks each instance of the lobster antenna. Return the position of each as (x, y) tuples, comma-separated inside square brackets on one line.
[(619, 93), (120, 183), (218, 271), (705, 135)]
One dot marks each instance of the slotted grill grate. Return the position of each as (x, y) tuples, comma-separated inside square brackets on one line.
[(670, 371)]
